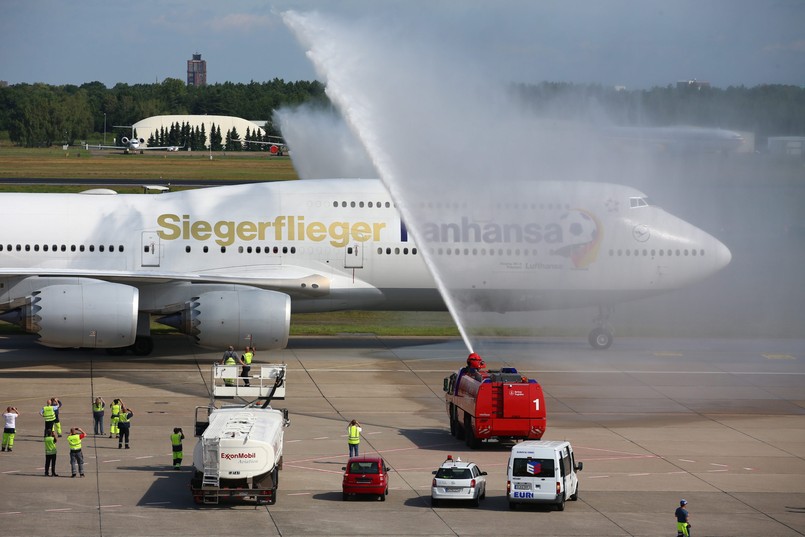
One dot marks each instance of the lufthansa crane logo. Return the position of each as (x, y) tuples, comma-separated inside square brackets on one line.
[(641, 233)]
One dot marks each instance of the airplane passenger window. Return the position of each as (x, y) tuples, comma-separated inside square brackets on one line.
[(91, 247), (27, 247), (335, 204), (81, 248), (205, 249), (413, 251), (257, 250), (36, 248), (100, 248), (187, 249), (360, 205), (686, 252), (1, 247), (223, 249), (119, 248)]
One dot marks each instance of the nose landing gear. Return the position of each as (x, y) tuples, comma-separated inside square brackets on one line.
[(601, 337)]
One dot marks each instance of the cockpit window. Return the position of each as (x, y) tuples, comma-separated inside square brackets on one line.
[(639, 202)]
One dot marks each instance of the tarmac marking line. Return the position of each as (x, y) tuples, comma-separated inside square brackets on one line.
[(300, 494), (596, 476), (145, 457), (722, 465), (107, 506), (717, 471), (55, 510), (314, 469), (113, 460), (15, 471), (12, 513), (686, 460), (321, 438), (636, 475)]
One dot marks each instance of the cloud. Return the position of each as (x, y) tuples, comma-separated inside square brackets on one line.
[(793, 46), (241, 22)]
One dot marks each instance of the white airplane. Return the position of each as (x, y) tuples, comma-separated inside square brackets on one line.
[(277, 146), (224, 264), (679, 139), (131, 145)]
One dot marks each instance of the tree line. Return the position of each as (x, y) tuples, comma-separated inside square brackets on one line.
[(41, 114), (187, 136)]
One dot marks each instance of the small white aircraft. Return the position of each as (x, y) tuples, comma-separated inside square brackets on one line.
[(227, 263), (131, 145), (679, 139)]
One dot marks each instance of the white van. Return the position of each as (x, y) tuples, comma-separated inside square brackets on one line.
[(542, 471)]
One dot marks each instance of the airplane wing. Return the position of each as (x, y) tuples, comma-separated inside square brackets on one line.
[(296, 281)]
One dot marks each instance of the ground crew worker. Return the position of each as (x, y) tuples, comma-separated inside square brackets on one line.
[(56, 423), (97, 415), (10, 429), (682, 524), (76, 456), (49, 414), (246, 362), (354, 437), (176, 444), (114, 409), (50, 454), (230, 357), (124, 425)]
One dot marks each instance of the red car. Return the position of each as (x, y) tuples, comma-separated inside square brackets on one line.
[(366, 475)]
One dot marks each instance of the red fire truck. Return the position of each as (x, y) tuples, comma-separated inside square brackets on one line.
[(500, 404)]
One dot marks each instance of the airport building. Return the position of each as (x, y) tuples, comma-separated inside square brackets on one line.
[(150, 125), (196, 71)]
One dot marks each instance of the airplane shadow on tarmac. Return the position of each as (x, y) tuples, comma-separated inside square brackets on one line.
[(440, 439)]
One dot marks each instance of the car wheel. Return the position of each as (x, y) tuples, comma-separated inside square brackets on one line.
[(561, 505), (512, 506), (383, 497), (476, 501), (575, 496), (344, 496)]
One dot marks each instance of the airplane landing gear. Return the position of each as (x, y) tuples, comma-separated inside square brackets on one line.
[(601, 337)]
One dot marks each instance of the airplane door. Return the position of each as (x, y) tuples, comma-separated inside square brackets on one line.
[(150, 249), (353, 256)]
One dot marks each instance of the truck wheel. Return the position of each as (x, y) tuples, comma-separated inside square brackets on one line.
[(453, 426), (472, 440), (461, 432)]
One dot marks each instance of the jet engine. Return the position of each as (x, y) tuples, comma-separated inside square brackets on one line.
[(90, 313), (217, 319)]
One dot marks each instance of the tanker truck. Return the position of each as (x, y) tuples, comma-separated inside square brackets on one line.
[(238, 455)]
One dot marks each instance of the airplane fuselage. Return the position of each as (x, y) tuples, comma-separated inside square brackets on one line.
[(341, 244)]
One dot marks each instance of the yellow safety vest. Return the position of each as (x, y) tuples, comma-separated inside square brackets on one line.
[(229, 361), (48, 413), (97, 407), (123, 417), (354, 435), (75, 442), (176, 439), (50, 445), (115, 409), (247, 357)]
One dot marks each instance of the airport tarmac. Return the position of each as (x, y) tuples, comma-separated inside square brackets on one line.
[(718, 422)]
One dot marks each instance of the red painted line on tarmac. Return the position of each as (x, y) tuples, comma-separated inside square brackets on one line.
[(314, 469)]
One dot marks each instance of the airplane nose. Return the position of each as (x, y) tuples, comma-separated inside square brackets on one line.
[(721, 255)]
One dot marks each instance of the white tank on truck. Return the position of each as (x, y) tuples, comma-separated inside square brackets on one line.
[(239, 451)]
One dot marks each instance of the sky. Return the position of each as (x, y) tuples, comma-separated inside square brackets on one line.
[(638, 44)]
